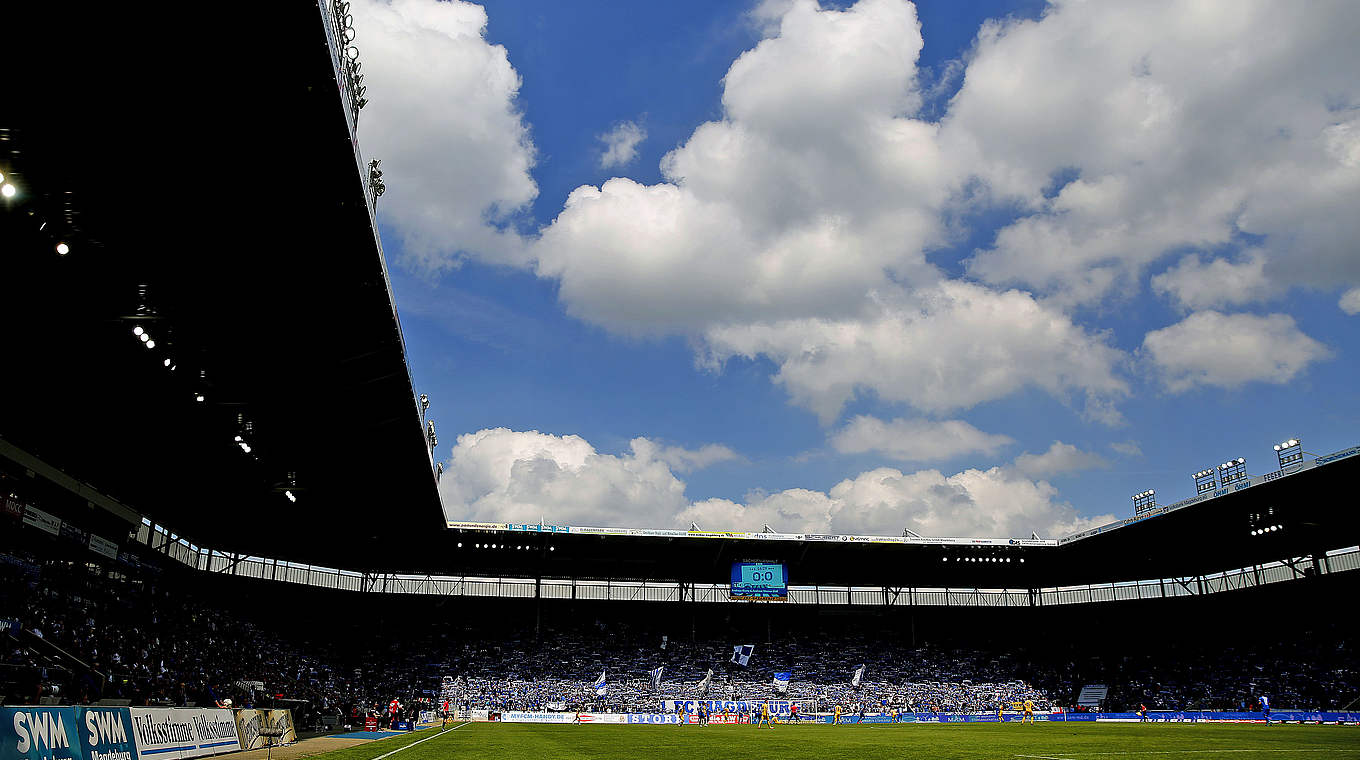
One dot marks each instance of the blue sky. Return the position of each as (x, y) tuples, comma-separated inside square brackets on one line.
[(985, 278)]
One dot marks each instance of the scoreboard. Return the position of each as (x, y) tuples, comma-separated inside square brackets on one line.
[(759, 580)]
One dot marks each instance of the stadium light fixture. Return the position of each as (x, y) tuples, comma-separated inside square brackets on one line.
[(460, 544), (1204, 481), (199, 398), (1144, 502), (8, 190), (1289, 452), (424, 403), (151, 344), (552, 548), (63, 249), (1232, 471), (290, 496)]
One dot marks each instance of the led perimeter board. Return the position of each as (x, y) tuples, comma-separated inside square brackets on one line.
[(760, 580)]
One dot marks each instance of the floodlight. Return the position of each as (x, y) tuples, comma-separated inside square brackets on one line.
[(552, 548), (199, 397), (166, 363), (138, 330), (143, 336), (2, 176), (151, 344), (63, 249), (460, 544), (8, 191), (290, 496), (1289, 452)]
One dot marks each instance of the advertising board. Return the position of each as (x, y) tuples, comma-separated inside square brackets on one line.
[(66, 733), (175, 732)]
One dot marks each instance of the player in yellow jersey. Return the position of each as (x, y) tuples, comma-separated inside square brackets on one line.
[(1029, 711), (765, 718), (838, 715)]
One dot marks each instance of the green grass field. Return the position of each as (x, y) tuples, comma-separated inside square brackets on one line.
[(1052, 741)]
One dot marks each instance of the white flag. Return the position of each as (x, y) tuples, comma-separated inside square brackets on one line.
[(859, 675), (656, 677), (601, 687), (708, 679)]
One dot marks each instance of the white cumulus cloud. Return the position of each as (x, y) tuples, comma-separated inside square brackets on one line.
[(501, 475), (1179, 128), (915, 440), (681, 459), (455, 151), (1350, 301), (1060, 459), (1209, 348), (951, 347), (1196, 284), (620, 144)]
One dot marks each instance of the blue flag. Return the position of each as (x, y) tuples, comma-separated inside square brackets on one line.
[(656, 677), (781, 681), (601, 688)]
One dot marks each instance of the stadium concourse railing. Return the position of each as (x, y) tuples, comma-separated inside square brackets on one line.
[(160, 540)]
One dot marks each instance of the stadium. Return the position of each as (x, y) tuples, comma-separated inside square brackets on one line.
[(196, 560)]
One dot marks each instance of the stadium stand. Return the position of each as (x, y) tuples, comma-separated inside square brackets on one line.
[(156, 632)]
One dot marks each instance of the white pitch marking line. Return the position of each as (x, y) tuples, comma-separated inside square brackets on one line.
[(412, 744)]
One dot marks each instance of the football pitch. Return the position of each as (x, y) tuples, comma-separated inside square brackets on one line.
[(1199, 741)]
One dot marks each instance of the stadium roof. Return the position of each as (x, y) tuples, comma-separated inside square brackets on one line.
[(209, 188), (1204, 535)]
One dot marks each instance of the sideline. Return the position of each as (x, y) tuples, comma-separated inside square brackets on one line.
[(414, 743)]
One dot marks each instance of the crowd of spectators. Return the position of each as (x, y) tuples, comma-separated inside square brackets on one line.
[(93, 631), (562, 668), (88, 633)]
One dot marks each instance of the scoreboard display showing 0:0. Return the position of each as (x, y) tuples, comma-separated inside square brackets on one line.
[(759, 580)]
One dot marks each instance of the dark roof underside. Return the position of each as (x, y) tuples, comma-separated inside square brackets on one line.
[(202, 171)]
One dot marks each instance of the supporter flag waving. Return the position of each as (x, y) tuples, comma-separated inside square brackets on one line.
[(781, 682), (656, 677), (741, 654), (858, 676), (601, 687), (708, 679)]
